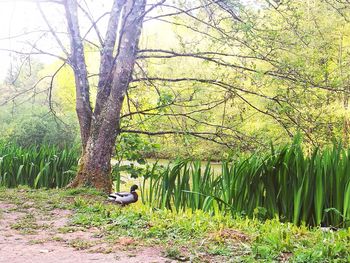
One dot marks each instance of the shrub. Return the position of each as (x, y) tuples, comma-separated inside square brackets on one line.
[(35, 126)]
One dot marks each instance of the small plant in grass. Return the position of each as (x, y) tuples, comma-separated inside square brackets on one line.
[(174, 252), (68, 229), (27, 224), (37, 241), (80, 244), (221, 250)]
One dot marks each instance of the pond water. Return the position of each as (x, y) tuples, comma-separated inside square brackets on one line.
[(214, 165), (127, 181)]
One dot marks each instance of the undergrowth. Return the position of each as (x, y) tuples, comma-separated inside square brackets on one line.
[(189, 235)]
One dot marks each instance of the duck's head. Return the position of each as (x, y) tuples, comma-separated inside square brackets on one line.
[(133, 188)]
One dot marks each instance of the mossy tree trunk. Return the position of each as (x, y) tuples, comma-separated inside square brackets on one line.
[(100, 127)]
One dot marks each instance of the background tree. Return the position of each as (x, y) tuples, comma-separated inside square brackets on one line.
[(233, 73)]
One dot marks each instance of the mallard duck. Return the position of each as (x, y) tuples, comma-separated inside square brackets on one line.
[(125, 198)]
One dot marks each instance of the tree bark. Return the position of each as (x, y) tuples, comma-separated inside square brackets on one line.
[(115, 75), (78, 64)]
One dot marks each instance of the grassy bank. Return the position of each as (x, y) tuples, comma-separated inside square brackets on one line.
[(287, 183), (196, 236)]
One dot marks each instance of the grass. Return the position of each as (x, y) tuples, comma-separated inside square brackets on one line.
[(80, 244), (296, 187), (195, 235), (27, 224), (44, 166), (312, 189)]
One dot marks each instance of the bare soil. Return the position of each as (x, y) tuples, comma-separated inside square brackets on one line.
[(33, 235)]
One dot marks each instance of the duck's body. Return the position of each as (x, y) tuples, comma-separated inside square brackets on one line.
[(125, 198)]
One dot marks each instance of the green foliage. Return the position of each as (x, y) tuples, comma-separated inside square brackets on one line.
[(28, 126), (289, 184), (239, 239), (285, 69), (196, 236), (44, 166), (165, 99), (37, 130), (131, 148)]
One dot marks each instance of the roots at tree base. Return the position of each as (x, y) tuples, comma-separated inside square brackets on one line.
[(93, 175)]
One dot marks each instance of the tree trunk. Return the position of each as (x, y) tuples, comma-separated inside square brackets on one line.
[(95, 167), (78, 64), (115, 76), (92, 172)]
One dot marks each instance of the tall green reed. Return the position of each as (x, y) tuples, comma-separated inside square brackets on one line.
[(44, 166), (297, 187)]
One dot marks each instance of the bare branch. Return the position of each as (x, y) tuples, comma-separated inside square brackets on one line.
[(201, 135), (51, 86), (24, 91), (53, 32), (93, 23), (208, 81), (277, 73)]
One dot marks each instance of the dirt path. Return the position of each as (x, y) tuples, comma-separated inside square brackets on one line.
[(33, 235)]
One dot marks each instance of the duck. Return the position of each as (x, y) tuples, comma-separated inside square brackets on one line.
[(125, 198)]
